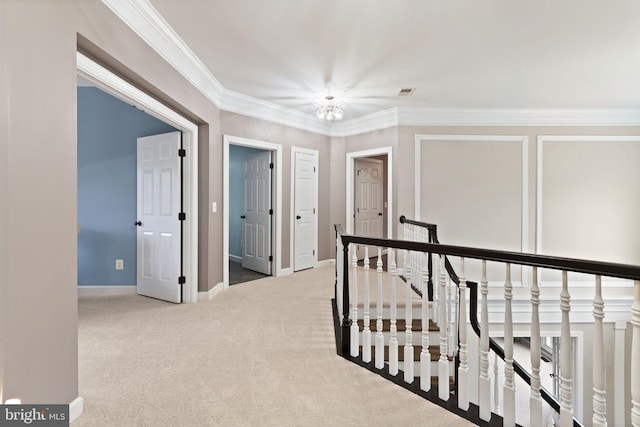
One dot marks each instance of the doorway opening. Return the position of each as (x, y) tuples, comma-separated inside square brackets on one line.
[(124, 91), (250, 213), (252, 209), (370, 194)]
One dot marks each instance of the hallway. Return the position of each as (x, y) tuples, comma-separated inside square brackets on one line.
[(260, 354)]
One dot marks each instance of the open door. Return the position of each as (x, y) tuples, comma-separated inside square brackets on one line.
[(159, 228), (256, 252), (369, 194)]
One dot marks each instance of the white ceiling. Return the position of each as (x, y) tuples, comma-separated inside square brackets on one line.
[(575, 54)]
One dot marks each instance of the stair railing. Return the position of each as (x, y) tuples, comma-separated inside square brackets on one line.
[(349, 312)]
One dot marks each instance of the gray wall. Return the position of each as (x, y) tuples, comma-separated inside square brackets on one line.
[(40, 40), (107, 198)]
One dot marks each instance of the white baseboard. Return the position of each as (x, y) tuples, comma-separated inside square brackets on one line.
[(75, 408), (106, 290), (235, 258), (325, 262), (208, 295), (286, 271)]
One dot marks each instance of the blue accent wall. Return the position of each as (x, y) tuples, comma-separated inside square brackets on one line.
[(237, 155), (107, 134)]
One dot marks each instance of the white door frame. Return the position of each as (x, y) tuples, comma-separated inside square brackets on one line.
[(277, 214), (114, 85), (292, 214), (351, 160)]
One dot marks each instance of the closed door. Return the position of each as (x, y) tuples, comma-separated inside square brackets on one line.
[(305, 214), (369, 211), (158, 226), (256, 251)]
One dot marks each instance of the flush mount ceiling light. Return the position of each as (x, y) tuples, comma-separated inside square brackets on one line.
[(329, 110)]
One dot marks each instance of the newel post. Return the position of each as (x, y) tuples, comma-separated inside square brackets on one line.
[(346, 322)]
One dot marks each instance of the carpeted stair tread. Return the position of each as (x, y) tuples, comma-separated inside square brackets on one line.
[(416, 325), (434, 352)]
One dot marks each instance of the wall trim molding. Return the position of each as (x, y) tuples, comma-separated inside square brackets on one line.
[(76, 407), (107, 290), (211, 293), (524, 162), (541, 140), (147, 23)]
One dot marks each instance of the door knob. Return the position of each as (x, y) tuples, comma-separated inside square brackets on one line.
[(242, 216), (298, 217), (138, 223), (379, 213)]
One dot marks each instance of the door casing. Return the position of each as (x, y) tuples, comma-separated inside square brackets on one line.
[(349, 203), (123, 90)]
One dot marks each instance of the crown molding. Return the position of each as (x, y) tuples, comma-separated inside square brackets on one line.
[(371, 122), (235, 102), (147, 22)]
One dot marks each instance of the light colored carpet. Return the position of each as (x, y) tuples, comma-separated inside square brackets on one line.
[(259, 354)]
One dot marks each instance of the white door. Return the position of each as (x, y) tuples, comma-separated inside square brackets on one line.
[(305, 216), (256, 251), (369, 212), (158, 231)]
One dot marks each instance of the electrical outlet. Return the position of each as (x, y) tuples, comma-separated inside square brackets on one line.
[(119, 264)]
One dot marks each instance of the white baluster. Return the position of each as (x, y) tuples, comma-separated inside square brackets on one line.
[(463, 369), (566, 383), (425, 355), (496, 388), (450, 317), (443, 363), (535, 402), (635, 356), (366, 332), (599, 418), (509, 387), (408, 343), (484, 391), (407, 267), (355, 332), (379, 336), (393, 339)]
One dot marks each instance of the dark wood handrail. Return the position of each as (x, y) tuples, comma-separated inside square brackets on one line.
[(621, 271)]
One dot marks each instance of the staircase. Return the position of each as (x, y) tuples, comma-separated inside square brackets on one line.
[(454, 349), (433, 350)]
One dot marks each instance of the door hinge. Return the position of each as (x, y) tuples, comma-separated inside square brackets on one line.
[(270, 165), (314, 211), (182, 216), (270, 258), (182, 280), (314, 252), (182, 152), (270, 211), (314, 168)]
